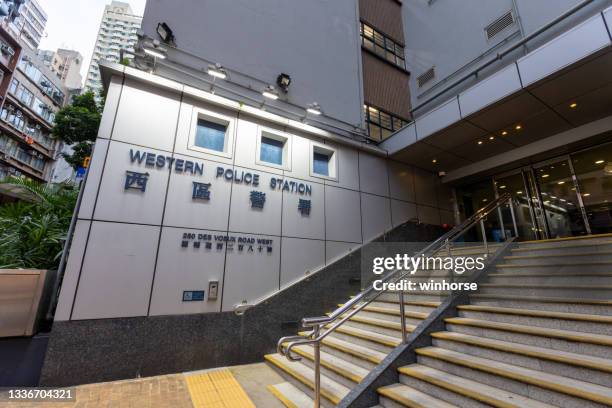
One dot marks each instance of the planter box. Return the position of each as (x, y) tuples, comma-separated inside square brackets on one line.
[(22, 300)]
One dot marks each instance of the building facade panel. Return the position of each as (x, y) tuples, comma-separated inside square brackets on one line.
[(385, 86), (378, 219), (299, 258), (385, 14)]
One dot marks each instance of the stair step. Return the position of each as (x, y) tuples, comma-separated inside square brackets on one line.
[(580, 360), (330, 390), (386, 327), (356, 350), (394, 312), (571, 240), (544, 299), (471, 389), (551, 274), (607, 265), (333, 363), (567, 335), (563, 255), (558, 384), (539, 313), (528, 248), (409, 397), (531, 285), (603, 292), (431, 304), (290, 395), (368, 335)]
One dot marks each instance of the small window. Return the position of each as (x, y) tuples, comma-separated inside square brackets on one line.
[(271, 150), (321, 164), (274, 149), (210, 135)]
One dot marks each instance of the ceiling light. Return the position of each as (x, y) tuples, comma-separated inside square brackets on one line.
[(542, 194), (504, 133), (518, 127), (484, 200), (491, 137), (545, 175), (155, 52), (270, 92), (561, 182), (480, 142), (519, 192), (546, 202), (600, 162), (586, 194), (502, 186), (573, 105), (314, 108), (434, 161), (217, 71), (553, 197)]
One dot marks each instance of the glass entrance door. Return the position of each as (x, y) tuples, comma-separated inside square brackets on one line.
[(514, 184), (562, 212)]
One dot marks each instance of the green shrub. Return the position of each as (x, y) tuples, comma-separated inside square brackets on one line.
[(32, 232)]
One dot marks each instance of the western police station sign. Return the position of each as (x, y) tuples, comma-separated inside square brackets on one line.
[(205, 191)]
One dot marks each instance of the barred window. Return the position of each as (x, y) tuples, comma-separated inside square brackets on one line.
[(382, 45), (381, 124)]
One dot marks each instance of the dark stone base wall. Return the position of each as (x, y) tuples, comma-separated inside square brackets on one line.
[(86, 351)]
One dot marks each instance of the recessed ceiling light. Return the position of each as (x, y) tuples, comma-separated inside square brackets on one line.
[(546, 202), (434, 161), (502, 186), (599, 161), (586, 194), (504, 133), (491, 137), (484, 200), (545, 175), (573, 105), (480, 142), (561, 182), (519, 192), (518, 127)]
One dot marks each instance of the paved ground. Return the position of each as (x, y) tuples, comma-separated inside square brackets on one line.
[(233, 387)]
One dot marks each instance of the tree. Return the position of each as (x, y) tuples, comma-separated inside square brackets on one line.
[(77, 125)]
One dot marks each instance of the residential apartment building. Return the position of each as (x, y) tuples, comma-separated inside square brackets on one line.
[(32, 96), (117, 32), (29, 26), (66, 64)]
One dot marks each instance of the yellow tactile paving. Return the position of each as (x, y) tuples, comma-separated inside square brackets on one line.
[(217, 389)]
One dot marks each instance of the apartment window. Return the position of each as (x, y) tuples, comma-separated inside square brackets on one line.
[(381, 124), (210, 135), (13, 86), (382, 45), (24, 96), (274, 149), (323, 162), (23, 156)]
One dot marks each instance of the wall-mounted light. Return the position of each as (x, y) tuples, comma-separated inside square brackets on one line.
[(270, 92), (283, 81), (314, 109), (165, 33), (217, 71)]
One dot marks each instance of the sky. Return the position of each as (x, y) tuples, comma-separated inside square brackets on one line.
[(74, 24)]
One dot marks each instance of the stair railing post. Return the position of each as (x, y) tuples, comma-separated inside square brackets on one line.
[(402, 316), (511, 204), (317, 368), (484, 236)]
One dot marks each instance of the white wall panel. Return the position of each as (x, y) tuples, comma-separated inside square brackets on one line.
[(73, 268), (147, 116), (117, 271), (110, 107), (403, 138), (94, 175), (373, 174), (251, 275), (401, 181), (437, 119), (182, 210), (188, 268), (244, 218), (300, 166), (115, 203), (336, 250), (402, 211), (300, 256), (428, 215), (425, 187), (348, 167), (342, 215), (378, 218), (564, 50), (296, 224), (246, 153), (499, 85)]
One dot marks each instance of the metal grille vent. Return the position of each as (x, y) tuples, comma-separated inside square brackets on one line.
[(426, 76), (499, 25)]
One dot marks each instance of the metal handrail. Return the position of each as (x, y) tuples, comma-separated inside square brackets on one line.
[(357, 303)]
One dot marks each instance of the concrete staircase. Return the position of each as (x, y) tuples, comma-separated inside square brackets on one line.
[(360, 344), (537, 334)]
